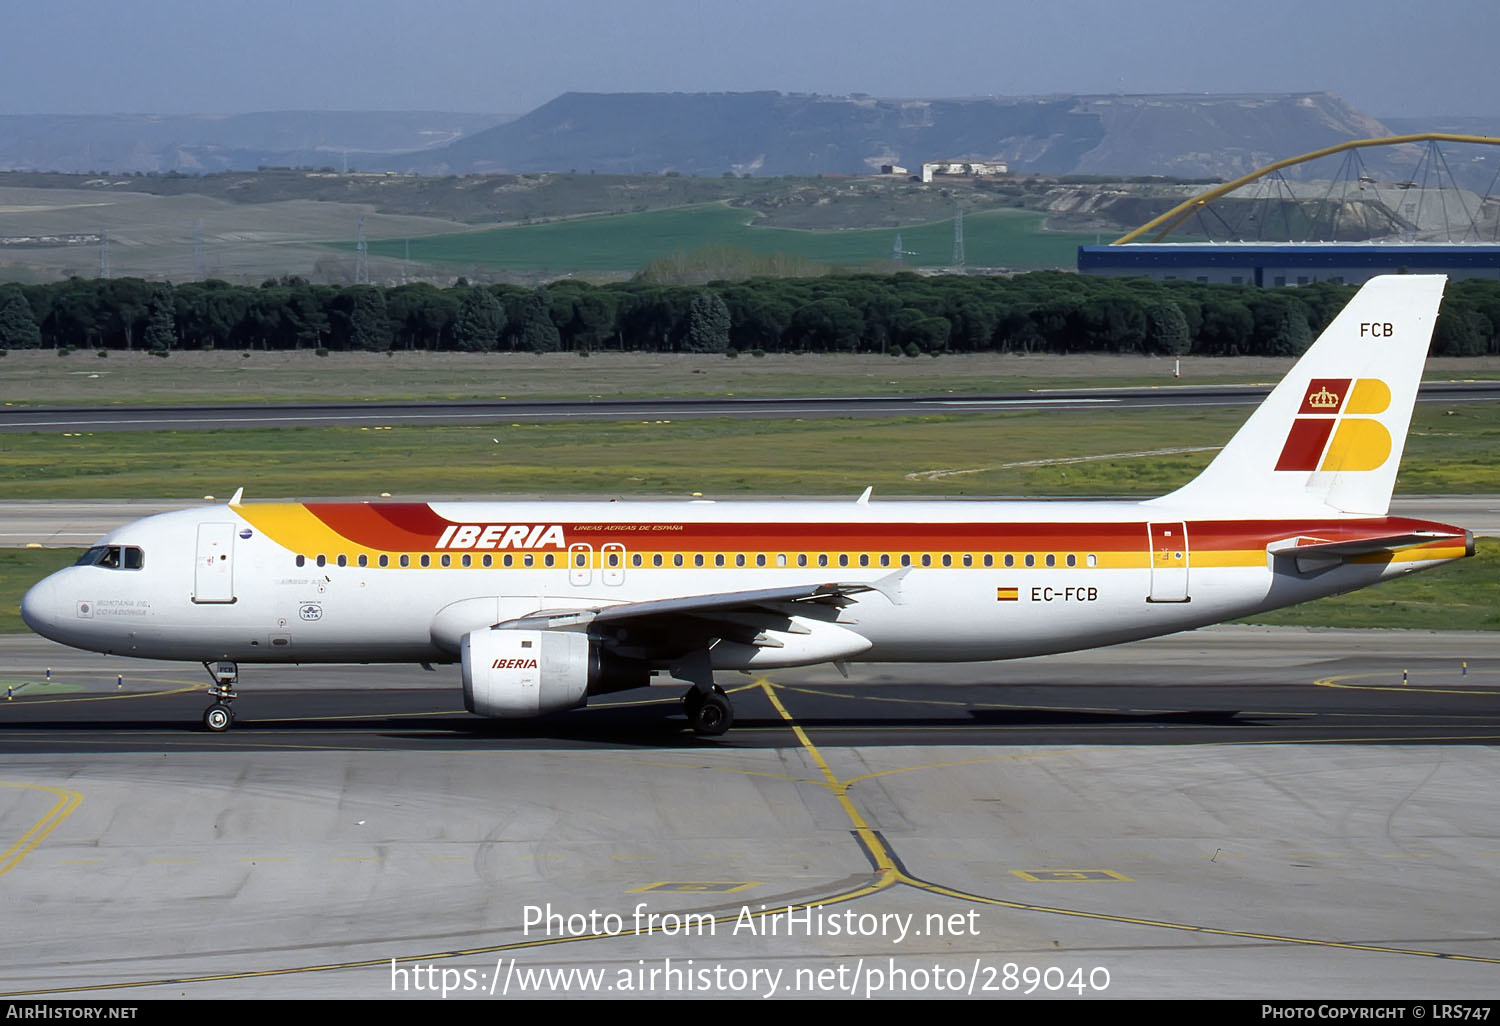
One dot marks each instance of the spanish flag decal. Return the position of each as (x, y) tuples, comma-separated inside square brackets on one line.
[(1007, 594)]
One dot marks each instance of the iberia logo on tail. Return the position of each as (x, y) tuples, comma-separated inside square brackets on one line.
[(1338, 409)]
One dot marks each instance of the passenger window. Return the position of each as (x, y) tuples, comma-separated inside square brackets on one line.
[(301, 560), (1072, 559), (864, 559), (447, 560), (926, 559), (488, 561), (1051, 559), (823, 559), (781, 559), (698, 559), (760, 559), (801, 559), (739, 559), (526, 560), (947, 559), (677, 559), (1030, 559), (385, 561), (322, 560), (989, 560), (547, 559), (906, 559), (1093, 560), (405, 560), (635, 560), (466, 559), (364, 560), (656, 559), (843, 559), (885, 559), (507, 560), (426, 561), (968, 559), (344, 560), (719, 559), (1010, 560)]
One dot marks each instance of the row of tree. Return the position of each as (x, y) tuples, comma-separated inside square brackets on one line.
[(1046, 311)]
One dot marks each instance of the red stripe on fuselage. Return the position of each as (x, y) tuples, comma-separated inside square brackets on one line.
[(387, 526), (414, 527)]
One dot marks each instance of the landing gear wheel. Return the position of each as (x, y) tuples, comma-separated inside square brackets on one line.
[(711, 714), (218, 717)]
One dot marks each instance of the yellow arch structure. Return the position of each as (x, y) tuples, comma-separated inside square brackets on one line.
[(1172, 218)]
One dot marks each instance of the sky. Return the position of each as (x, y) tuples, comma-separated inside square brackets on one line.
[(1390, 58)]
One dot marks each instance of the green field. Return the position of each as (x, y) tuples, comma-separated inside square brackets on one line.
[(1464, 595), (1450, 451), (628, 242), (33, 377), (30, 377)]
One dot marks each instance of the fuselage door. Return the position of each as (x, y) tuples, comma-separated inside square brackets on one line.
[(213, 575), (1169, 563), (612, 569), (580, 564)]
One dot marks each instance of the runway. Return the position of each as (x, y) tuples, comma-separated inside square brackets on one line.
[(1132, 820), (200, 418), (1129, 696)]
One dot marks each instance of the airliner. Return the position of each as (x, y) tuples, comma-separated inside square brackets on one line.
[(545, 605)]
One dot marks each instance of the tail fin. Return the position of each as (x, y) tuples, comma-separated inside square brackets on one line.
[(1328, 439)]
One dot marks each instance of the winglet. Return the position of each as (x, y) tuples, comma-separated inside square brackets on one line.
[(239, 493), (864, 497)]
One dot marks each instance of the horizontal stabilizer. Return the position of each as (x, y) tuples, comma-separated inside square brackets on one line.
[(1321, 554)]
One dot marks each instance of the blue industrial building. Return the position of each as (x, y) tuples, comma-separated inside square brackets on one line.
[(1272, 264)]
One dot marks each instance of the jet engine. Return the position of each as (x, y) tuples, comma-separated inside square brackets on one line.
[(514, 673)]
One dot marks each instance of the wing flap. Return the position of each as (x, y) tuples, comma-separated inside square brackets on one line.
[(732, 608)]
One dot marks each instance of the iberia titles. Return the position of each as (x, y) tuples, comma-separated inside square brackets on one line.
[(502, 536)]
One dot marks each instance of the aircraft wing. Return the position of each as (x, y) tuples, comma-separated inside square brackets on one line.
[(667, 628)]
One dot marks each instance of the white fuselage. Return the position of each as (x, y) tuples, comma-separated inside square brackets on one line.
[(986, 580)]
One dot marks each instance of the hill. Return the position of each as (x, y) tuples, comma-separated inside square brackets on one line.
[(769, 133)]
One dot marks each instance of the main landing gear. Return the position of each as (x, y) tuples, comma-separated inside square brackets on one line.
[(706, 705), (710, 712), (219, 716)]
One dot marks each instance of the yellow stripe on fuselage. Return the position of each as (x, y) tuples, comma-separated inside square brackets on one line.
[(295, 529)]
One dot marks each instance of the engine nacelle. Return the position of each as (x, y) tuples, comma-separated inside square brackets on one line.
[(513, 673)]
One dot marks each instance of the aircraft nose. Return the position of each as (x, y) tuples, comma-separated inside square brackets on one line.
[(39, 607)]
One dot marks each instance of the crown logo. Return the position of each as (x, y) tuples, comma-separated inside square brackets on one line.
[(1324, 399)]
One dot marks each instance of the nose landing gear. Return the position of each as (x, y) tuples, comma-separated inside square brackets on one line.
[(219, 716)]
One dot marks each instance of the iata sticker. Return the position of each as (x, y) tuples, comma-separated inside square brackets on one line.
[(310, 611)]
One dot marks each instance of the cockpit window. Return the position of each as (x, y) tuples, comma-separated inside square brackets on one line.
[(113, 557)]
